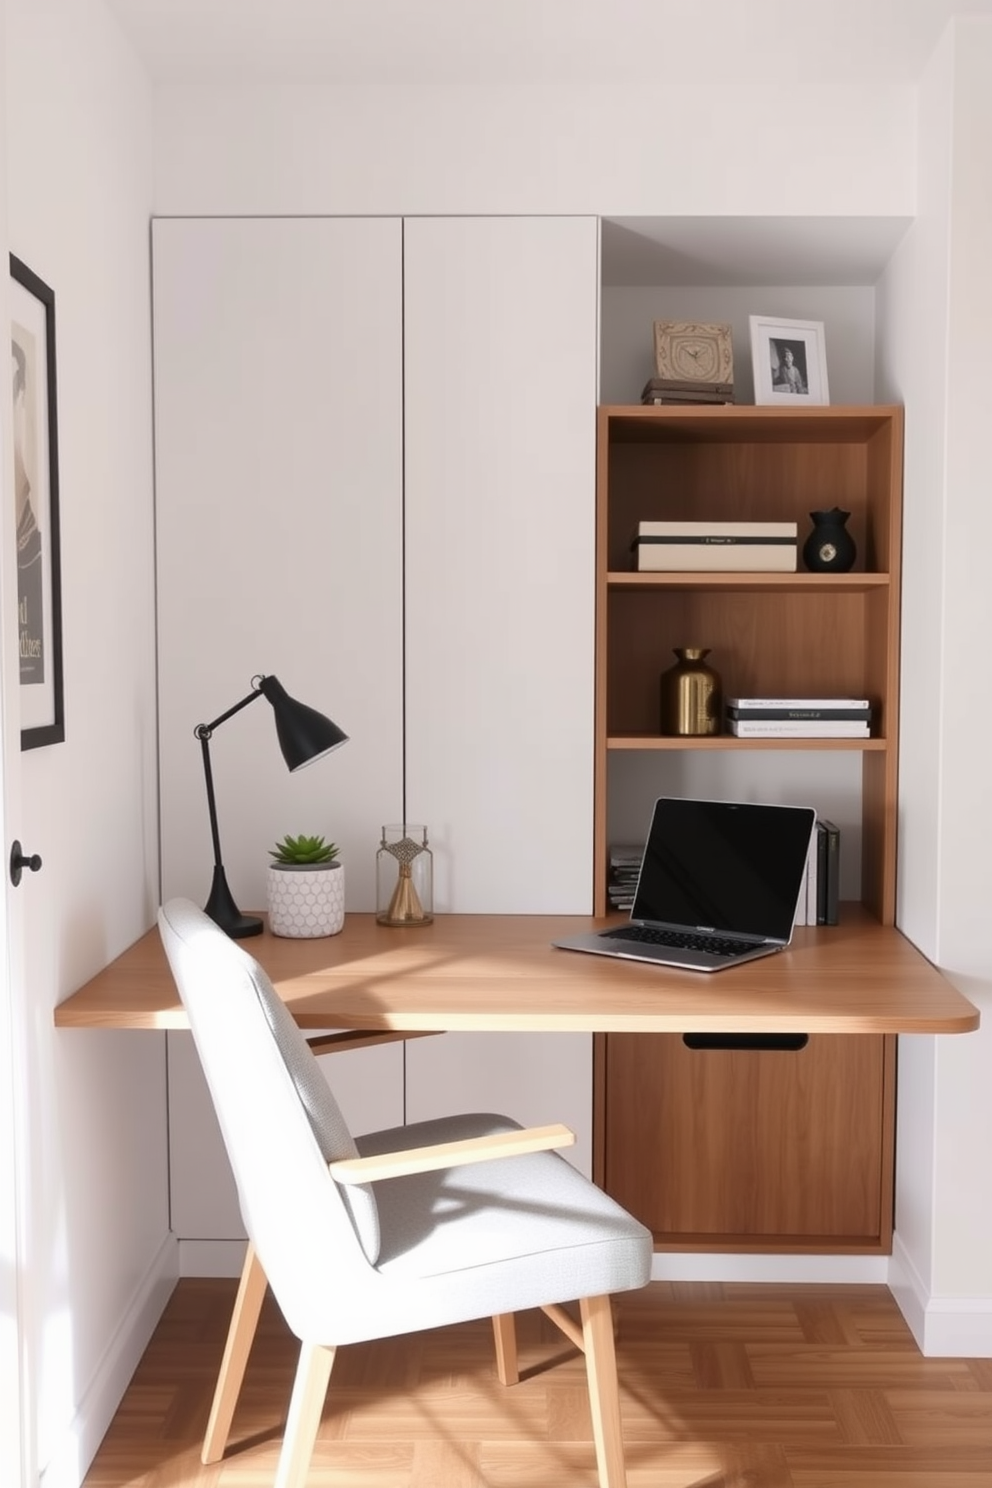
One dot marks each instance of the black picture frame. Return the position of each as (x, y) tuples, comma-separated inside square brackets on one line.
[(39, 583)]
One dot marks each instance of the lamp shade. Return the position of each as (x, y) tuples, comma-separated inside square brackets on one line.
[(304, 734)]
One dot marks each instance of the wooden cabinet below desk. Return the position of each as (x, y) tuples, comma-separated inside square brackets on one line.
[(750, 1148)]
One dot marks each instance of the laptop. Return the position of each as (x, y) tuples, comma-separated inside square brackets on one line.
[(718, 885)]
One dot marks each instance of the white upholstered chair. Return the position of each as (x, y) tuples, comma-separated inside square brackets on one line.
[(406, 1229)]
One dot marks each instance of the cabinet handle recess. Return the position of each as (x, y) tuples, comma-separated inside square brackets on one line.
[(783, 1043)]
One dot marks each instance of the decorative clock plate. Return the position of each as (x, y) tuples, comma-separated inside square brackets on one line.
[(693, 351)]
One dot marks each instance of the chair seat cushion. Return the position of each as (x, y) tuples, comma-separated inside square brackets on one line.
[(492, 1234)]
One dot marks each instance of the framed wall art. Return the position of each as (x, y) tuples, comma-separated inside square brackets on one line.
[(36, 490), (790, 361)]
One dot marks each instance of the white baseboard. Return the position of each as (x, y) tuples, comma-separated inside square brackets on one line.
[(70, 1461), (906, 1285), (808, 1269), (211, 1257), (226, 1257), (944, 1327)]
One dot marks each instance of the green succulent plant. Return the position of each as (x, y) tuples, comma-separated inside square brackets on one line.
[(303, 850)]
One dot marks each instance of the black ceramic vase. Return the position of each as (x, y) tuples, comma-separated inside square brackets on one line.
[(830, 547)]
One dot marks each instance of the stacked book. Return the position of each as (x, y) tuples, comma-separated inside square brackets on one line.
[(799, 718), (624, 866), (658, 390), (819, 897), (727, 547)]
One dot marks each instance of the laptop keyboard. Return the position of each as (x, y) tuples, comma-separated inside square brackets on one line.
[(718, 945)]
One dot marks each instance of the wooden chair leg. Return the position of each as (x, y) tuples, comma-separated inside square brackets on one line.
[(303, 1421), (505, 1335), (244, 1321), (604, 1395)]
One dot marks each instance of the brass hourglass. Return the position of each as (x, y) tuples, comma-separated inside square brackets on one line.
[(404, 876)]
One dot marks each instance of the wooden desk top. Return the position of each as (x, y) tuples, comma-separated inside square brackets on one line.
[(500, 972)]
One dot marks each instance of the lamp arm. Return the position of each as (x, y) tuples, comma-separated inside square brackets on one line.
[(206, 729), (208, 776), (203, 732)]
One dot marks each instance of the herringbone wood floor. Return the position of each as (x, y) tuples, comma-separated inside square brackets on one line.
[(722, 1387)]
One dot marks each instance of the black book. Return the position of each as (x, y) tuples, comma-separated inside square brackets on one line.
[(666, 399), (821, 874), (800, 714), (656, 386), (831, 834)]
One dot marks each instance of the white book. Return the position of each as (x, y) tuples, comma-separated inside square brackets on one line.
[(800, 918), (738, 547), (797, 702), (784, 728), (812, 880), (624, 855), (701, 558), (806, 908)]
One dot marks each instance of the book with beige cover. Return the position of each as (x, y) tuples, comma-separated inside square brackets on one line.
[(755, 547)]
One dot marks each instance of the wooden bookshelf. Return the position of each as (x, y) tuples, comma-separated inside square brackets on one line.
[(771, 634)]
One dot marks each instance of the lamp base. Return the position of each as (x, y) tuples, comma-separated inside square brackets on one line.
[(224, 912)]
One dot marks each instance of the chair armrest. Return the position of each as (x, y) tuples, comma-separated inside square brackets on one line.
[(450, 1154)]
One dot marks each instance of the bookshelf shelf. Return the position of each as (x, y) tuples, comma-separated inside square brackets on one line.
[(729, 742), (728, 423), (792, 583)]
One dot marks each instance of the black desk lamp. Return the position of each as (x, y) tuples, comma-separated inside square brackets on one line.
[(304, 736)]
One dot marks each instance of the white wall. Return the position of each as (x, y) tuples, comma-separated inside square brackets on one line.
[(935, 319), (963, 1189), (78, 160), (609, 151)]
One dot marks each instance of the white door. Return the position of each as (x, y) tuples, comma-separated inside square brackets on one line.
[(14, 1439), (12, 1469)]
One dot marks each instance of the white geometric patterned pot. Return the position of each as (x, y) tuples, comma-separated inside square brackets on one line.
[(306, 900)]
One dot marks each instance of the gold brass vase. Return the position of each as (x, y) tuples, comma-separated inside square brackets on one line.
[(691, 695)]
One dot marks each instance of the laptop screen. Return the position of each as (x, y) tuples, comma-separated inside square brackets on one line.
[(724, 865)]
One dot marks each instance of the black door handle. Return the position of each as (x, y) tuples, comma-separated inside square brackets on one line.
[(18, 862)]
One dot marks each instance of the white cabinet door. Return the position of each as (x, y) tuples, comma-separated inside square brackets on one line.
[(278, 419), (281, 529), (278, 424), (501, 334), (501, 364)]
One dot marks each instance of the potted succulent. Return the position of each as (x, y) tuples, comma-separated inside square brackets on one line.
[(305, 888)]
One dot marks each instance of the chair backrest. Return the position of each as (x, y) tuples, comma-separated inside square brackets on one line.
[(280, 1122)]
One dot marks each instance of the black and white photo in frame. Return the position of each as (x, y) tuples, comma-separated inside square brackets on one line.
[(789, 360), (36, 492)]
